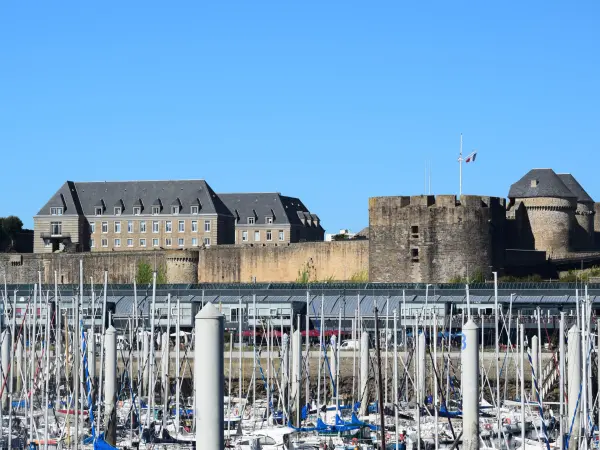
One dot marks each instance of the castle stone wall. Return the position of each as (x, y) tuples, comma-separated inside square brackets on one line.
[(318, 261), (550, 221), (182, 267), (434, 239), (583, 228), (121, 266)]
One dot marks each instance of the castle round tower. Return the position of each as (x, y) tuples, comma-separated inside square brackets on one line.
[(435, 239), (545, 209), (582, 236), (182, 267)]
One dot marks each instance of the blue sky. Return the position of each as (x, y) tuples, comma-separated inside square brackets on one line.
[(331, 101)]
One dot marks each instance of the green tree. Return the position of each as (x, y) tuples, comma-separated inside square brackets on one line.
[(9, 228), (145, 271)]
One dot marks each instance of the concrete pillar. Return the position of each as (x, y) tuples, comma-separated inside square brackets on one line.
[(91, 356), (209, 379), (421, 369), (573, 382), (333, 361), (5, 362), (110, 385), (296, 376), (470, 383), (364, 372), (536, 366)]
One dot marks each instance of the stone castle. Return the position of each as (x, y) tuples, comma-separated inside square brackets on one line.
[(548, 217), (548, 223)]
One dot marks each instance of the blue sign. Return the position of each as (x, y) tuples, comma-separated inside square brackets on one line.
[(464, 341)]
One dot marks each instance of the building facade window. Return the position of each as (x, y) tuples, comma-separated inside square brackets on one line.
[(92, 227), (194, 242), (269, 235), (269, 220), (207, 226), (244, 236), (104, 242), (56, 211), (92, 243), (130, 242), (257, 236), (181, 226), (117, 242), (117, 227), (105, 227), (137, 210), (281, 235), (168, 226), (180, 242), (142, 242), (55, 228), (117, 210), (155, 210), (207, 242), (194, 226), (167, 242), (130, 226), (250, 220), (175, 210), (154, 242), (98, 210), (194, 210), (155, 226), (47, 243), (142, 226)]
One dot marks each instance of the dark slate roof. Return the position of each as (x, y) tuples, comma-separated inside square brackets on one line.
[(66, 197), (576, 188), (261, 205), (90, 194), (549, 185)]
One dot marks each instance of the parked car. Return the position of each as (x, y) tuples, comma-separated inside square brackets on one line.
[(350, 344)]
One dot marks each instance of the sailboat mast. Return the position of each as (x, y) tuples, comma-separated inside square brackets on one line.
[(380, 381)]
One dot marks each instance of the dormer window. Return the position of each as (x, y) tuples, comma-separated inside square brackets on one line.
[(117, 210), (56, 211), (269, 219), (155, 210), (175, 210), (535, 183), (137, 210), (251, 220), (98, 210), (194, 209)]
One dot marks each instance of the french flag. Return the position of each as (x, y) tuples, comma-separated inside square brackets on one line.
[(471, 157)]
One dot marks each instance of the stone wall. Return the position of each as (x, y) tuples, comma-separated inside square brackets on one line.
[(583, 228), (318, 261), (551, 221), (434, 239), (122, 266), (597, 224)]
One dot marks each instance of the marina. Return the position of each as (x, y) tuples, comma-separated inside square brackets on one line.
[(281, 371)]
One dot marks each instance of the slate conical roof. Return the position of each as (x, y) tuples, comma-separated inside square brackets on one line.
[(540, 183), (576, 188)]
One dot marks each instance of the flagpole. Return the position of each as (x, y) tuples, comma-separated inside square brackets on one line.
[(460, 160)]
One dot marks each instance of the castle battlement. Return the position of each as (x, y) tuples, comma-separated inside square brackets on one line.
[(439, 201)]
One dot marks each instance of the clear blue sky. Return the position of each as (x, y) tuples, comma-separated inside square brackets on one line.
[(332, 102)]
